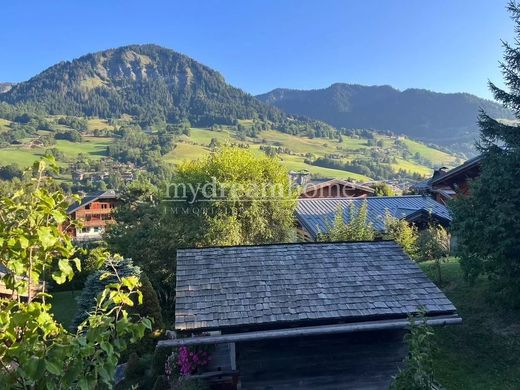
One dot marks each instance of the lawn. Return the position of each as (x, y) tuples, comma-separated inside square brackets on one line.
[(94, 147), (412, 167), (64, 306), (204, 136), (434, 155), (484, 352), (297, 163)]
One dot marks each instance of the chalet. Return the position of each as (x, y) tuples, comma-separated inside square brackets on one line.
[(304, 315), (93, 213), (315, 216), (445, 185), (334, 188)]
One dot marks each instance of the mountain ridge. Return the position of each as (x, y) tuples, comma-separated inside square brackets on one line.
[(437, 117), (139, 80)]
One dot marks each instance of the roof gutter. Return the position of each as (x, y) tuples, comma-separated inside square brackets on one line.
[(307, 331)]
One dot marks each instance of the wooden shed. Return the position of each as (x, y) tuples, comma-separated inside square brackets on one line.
[(305, 315)]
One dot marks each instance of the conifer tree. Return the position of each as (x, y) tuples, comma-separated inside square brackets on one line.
[(487, 222)]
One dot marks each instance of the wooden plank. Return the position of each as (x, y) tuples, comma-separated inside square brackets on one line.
[(307, 331), (366, 360)]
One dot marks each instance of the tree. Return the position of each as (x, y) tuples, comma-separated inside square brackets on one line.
[(250, 201), (151, 226), (402, 232), (434, 243), (486, 223), (95, 285), (36, 351), (358, 228), (383, 189), (9, 172)]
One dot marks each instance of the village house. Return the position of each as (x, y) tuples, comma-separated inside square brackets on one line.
[(448, 184), (94, 213), (316, 216), (303, 315)]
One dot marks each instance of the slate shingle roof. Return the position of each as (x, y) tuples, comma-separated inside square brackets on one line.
[(316, 215), (282, 283)]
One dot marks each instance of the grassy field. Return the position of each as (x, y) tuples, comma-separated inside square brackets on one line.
[(197, 144), (484, 352), (94, 147), (4, 124), (64, 306), (436, 156)]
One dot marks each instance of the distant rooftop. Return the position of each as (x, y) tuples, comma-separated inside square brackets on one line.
[(271, 285), (92, 197), (317, 215)]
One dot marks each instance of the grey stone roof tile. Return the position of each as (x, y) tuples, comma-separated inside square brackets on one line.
[(234, 286)]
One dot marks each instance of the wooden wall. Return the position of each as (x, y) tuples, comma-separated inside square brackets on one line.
[(358, 361)]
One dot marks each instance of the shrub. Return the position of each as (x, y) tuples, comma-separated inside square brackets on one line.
[(417, 373), (358, 228), (434, 244), (94, 285), (403, 233)]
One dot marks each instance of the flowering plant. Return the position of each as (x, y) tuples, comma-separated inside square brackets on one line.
[(185, 361), (191, 360)]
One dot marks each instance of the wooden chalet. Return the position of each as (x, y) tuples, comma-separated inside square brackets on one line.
[(316, 216), (94, 213), (305, 315), (334, 188), (445, 185)]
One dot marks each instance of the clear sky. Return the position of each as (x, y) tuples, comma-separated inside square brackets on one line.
[(258, 45)]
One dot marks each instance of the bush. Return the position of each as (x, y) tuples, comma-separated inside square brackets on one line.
[(417, 373), (94, 285), (403, 233), (358, 228)]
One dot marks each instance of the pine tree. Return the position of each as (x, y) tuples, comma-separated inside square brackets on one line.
[(487, 222)]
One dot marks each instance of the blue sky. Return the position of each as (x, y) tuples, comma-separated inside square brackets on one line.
[(258, 45)]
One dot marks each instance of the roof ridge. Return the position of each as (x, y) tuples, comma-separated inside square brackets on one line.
[(365, 198), (286, 244)]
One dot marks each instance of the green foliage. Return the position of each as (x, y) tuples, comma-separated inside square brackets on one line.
[(69, 135), (358, 228), (9, 172), (487, 222), (434, 243), (35, 350), (94, 285), (254, 202), (417, 373), (135, 146), (383, 189), (402, 232), (147, 232)]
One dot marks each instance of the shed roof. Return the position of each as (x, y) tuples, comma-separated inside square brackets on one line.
[(317, 214), (109, 194), (277, 284)]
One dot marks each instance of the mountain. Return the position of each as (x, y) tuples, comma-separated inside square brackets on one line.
[(440, 118), (4, 87), (145, 81)]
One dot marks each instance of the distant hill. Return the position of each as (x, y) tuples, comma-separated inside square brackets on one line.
[(440, 118), (4, 87), (145, 81)]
